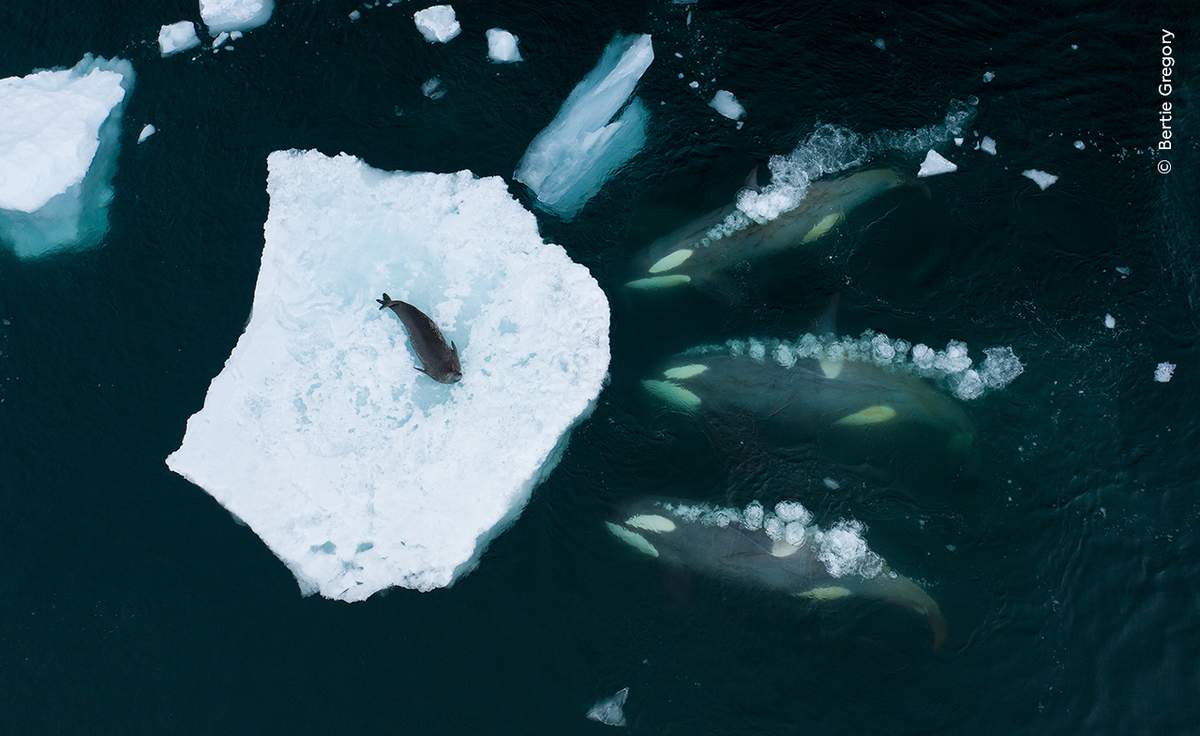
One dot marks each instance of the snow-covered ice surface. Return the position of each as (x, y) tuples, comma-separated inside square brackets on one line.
[(176, 37), (951, 367), (1163, 372), (235, 15), (437, 23), (725, 103), (568, 161), (1041, 178), (502, 46), (935, 163), (611, 710), (831, 149), (147, 130), (59, 138), (357, 471)]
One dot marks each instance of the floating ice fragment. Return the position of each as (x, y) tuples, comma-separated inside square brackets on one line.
[(988, 76), (694, 84), (568, 162), (1041, 178), (725, 103), (958, 141), (221, 38), (59, 136), (831, 484), (502, 46), (355, 15), (1163, 372), (880, 44), (147, 131), (1109, 321), (433, 89), (176, 37), (235, 15), (988, 145), (1079, 145), (437, 23), (935, 164), (319, 430), (610, 711)]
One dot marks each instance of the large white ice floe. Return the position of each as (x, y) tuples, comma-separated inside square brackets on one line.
[(176, 37), (235, 15), (952, 367), (502, 46), (725, 103), (357, 471), (59, 137), (437, 23), (596, 131)]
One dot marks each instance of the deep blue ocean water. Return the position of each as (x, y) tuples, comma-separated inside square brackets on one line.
[(1065, 560)]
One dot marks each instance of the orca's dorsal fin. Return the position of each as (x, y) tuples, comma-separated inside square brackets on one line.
[(826, 323), (751, 182)]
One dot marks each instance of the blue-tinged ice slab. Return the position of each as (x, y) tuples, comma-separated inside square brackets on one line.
[(357, 471), (235, 15), (596, 131), (59, 138)]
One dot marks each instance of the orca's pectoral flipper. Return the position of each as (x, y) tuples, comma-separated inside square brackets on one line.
[(385, 302)]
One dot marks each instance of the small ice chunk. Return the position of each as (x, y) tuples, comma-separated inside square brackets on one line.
[(235, 15), (958, 141), (611, 710), (147, 130), (437, 23), (502, 46), (221, 38), (880, 44), (935, 164), (1110, 321), (318, 411), (988, 145), (725, 103), (596, 131), (988, 76), (1074, 47), (1041, 178), (176, 37), (1125, 271), (235, 35), (1079, 145), (355, 15), (694, 84), (831, 484), (1163, 372), (433, 89), (60, 132)]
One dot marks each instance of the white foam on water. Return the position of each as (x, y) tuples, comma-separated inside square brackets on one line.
[(60, 134), (357, 471), (598, 129), (235, 15)]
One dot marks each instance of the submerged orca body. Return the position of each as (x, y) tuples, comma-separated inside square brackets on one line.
[(439, 358), (767, 551), (691, 257)]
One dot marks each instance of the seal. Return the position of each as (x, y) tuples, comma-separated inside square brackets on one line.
[(439, 358)]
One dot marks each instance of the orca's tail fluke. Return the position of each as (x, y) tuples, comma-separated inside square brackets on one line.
[(386, 301)]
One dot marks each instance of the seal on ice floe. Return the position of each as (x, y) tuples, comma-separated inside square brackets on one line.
[(439, 358)]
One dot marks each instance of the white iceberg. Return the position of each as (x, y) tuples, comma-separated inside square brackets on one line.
[(568, 162), (502, 46), (59, 138), (357, 471), (611, 710), (176, 37), (147, 130), (437, 23), (1163, 372), (935, 164), (1041, 178), (235, 15), (725, 103)]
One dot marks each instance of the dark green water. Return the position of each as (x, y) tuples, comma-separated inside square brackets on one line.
[(1065, 562)]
